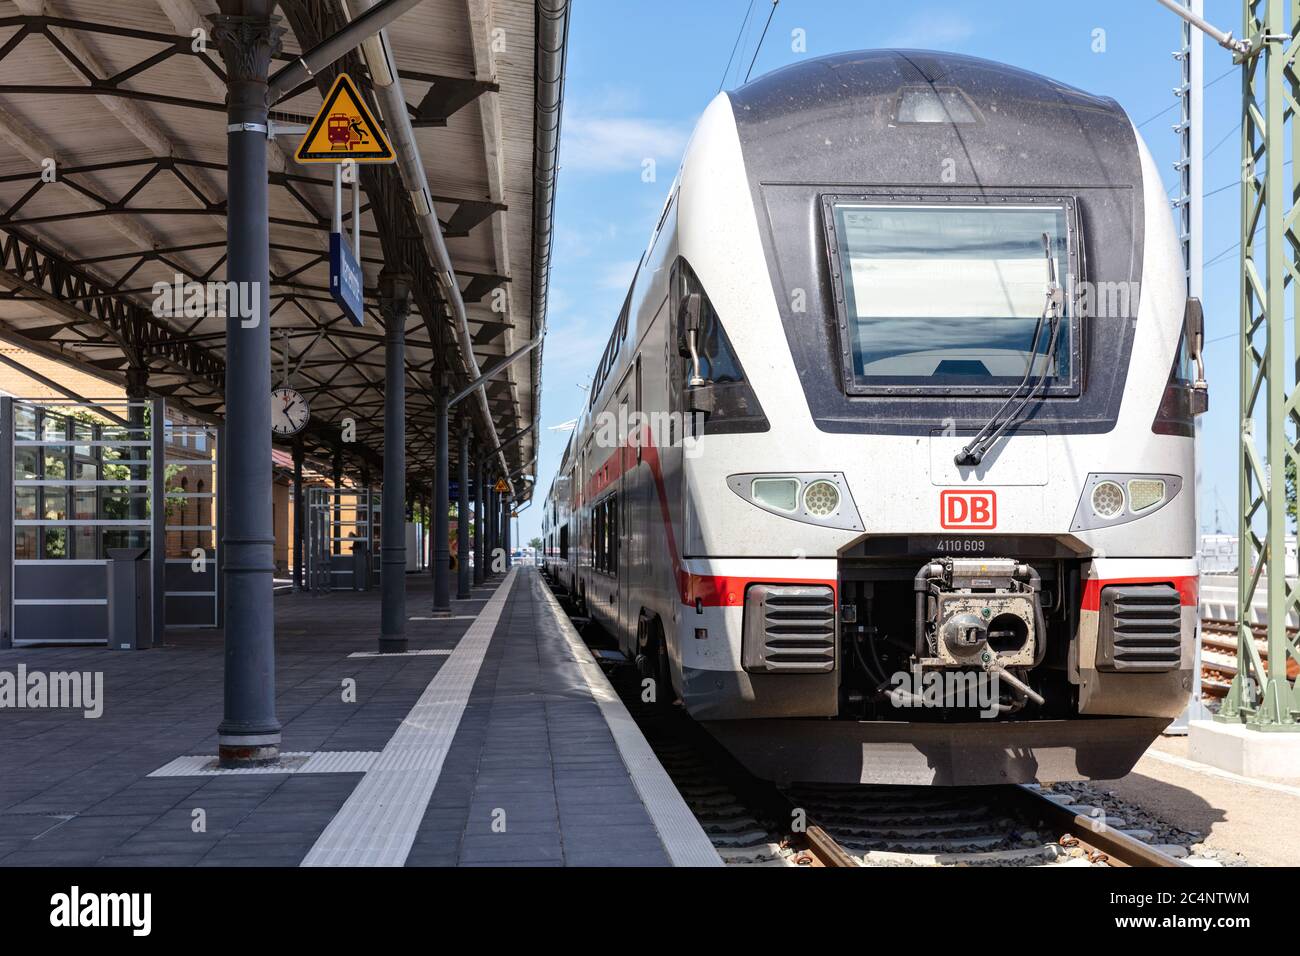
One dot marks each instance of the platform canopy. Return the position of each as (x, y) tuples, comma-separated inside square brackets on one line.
[(112, 180)]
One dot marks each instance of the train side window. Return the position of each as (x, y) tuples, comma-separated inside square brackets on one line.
[(613, 534), (735, 406), (604, 536), (718, 362), (637, 407)]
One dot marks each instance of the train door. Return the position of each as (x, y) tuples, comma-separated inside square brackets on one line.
[(631, 522), (585, 558), (622, 526)]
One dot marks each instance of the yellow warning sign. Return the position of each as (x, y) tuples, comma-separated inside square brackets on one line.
[(501, 486), (344, 130)]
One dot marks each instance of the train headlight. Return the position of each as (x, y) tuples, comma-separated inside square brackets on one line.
[(821, 499), (779, 493), (1144, 493), (1115, 498), (1107, 499)]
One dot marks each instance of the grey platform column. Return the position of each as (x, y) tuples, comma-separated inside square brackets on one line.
[(219, 516), (337, 515), (480, 503), (250, 732), (505, 530), (428, 531), (299, 516), (489, 524), (494, 521), (158, 520), (137, 392), (395, 304), (441, 494), (463, 525), (6, 520)]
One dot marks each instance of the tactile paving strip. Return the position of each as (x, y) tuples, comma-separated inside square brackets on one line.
[(324, 761), (379, 821)]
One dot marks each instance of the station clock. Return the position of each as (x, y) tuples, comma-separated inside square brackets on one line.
[(289, 411)]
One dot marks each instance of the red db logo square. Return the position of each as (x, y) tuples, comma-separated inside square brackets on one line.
[(968, 509)]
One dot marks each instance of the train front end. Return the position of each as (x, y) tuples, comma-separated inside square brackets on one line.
[(939, 522)]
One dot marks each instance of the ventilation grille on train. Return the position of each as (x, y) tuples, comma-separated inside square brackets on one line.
[(1140, 628), (789, 629)]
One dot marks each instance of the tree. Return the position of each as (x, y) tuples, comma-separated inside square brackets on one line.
[(535, 544), (1290, 488)]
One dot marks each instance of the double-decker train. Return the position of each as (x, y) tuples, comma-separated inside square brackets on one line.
[(887, 471)]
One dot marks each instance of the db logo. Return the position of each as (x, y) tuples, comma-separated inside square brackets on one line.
[(968, 509)]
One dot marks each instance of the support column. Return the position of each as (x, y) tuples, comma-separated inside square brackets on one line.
[(337, 512), (6, 520), (158, 520), (429, 530), (480, 505), (505, 530), (250, 732), (137, 392), (441, 494), (493, 513), (395, 304), (298, 516), (463, 523), (495, 557), (219, 518), (422, 562)]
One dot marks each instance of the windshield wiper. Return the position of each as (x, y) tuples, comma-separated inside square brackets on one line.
[(974, 451)]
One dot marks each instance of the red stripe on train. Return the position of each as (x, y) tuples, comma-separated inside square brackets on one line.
[(725, 591), (708, 589), (1188, 587)]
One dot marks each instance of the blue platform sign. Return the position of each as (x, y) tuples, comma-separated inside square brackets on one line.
[(347, 284)]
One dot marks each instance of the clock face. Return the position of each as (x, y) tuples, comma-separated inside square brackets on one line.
[(289, 412)]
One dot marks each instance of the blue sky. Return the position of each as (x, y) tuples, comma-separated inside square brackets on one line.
[(640, 74)]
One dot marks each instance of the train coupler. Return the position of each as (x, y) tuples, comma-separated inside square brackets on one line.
[(980, 612)]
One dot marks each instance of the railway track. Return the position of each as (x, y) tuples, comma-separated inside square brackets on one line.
[(984, 826), (751, 822), (1219, 654)]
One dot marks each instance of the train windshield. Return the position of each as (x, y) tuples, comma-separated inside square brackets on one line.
[(949, 297)]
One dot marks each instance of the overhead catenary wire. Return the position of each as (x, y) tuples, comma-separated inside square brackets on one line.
[(1151, 119), (763, 36), (736, 45)]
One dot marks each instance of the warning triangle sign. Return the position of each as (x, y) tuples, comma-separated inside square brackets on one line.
[(501, 486), (344, 130)]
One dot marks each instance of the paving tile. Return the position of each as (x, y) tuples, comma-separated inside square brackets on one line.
[(530, 742)]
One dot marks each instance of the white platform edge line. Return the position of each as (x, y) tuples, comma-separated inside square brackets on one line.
[(1197, 767), (680, 832), (377, 824), (423, 652)]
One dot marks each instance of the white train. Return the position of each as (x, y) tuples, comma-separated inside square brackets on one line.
[(887, 468)]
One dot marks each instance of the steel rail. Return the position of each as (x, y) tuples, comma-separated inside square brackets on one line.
[(1119, 848)]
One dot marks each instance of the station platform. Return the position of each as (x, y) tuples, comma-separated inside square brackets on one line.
[(495, 740)]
